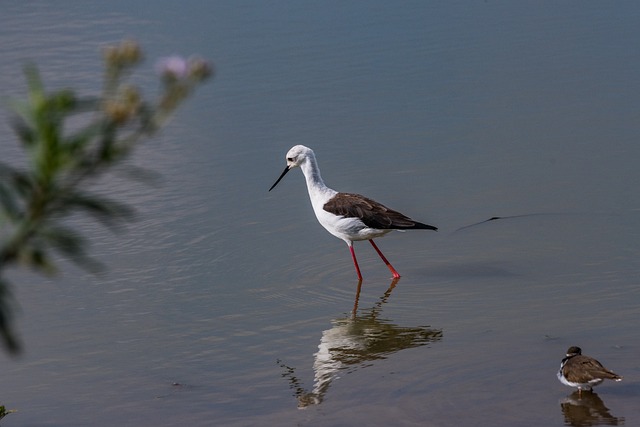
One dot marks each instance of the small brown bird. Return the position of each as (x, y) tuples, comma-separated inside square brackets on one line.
[(583, 372)]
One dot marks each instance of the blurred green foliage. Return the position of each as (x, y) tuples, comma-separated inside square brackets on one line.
[(4, 411), (70, 142)]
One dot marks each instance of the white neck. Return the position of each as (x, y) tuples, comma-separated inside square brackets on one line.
[(315, 184)]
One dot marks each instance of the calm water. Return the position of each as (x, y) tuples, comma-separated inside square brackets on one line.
[(228, 305)]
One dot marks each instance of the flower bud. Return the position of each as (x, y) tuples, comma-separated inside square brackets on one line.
[(199, 69), (130, 52), (126, 54)]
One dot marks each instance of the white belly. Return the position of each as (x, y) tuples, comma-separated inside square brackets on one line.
[(347, 229)]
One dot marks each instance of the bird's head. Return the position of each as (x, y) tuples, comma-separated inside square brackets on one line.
[(574, 351), (296, 156)]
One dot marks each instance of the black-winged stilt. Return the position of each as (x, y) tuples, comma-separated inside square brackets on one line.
[(350, 217), (583, 372)]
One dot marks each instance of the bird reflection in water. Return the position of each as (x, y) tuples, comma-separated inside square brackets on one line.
[(587, 410), (353, 343)]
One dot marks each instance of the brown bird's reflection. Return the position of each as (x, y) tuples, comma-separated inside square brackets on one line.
[(587, 410), (352, 343)]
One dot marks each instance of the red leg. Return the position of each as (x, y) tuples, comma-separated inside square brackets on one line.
[(393, 270), (355, 262)]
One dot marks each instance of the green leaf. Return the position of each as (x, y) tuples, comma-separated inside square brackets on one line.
[(107, 211), (9, 196), (7, 334), (8, 202), (25, 133), (71, 244), (37, 258), (4, 411), (34, 82)]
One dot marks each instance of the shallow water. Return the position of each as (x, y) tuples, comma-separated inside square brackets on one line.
[(226, 302)]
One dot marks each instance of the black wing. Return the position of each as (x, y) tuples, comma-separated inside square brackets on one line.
[(371, 213)]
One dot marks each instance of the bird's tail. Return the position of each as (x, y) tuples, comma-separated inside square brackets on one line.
[(421, 226)]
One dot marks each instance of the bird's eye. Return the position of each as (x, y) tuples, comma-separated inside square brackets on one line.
[(290, 159)]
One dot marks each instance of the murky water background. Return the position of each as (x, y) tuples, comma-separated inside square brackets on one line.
[(228, 305)]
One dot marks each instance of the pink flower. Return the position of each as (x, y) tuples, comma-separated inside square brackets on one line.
[(173, 67)]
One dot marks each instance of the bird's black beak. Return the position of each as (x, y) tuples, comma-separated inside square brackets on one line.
[(284, 172)]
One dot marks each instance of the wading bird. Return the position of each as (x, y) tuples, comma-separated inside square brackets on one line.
[(350, 217), (583, 372)]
